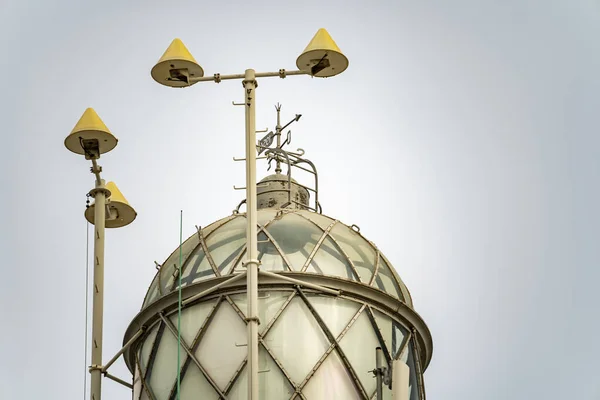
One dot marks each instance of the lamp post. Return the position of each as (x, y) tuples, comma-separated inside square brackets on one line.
[(91, 138), (178, 68)]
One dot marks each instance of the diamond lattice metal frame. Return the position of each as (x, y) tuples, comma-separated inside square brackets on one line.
[(164, 326), (155, 314)]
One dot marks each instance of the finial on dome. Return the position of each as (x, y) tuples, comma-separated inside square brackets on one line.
[(280, 190)]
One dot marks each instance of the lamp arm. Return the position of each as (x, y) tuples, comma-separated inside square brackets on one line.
[(282, 73)]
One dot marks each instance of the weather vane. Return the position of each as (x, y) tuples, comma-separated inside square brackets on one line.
[(266, 142)]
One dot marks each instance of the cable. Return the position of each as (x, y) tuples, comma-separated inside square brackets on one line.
[(179, 309), (87, 268)]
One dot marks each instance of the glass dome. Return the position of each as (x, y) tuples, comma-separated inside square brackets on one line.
[(289, 240)]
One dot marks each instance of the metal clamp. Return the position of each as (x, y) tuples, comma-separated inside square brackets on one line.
[(217, 78), (246, 262), (95, 367), (252, 319), (282, 74)]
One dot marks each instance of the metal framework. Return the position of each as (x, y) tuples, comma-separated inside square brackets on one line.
[(225, 282), (165, 326), (166, 282)]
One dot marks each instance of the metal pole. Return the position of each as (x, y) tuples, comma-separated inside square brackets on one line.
[(278, 134), (379, 362), (251, 238), (98, 298)]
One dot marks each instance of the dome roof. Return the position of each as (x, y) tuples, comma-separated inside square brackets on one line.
[(289, 240)]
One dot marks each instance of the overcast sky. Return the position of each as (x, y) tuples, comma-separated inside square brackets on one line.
[(462, 139)]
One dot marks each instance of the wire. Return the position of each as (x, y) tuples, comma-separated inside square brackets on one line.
[(87, 268), (179, 309)]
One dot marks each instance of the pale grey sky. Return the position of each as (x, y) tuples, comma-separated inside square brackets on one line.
[(462, 139)]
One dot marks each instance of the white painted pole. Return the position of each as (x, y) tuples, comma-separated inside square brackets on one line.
[(98, 289), (400, 375), (251, 232)]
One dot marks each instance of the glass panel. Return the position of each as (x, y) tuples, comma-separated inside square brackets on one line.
[(269, 256), (144, 395), (384, 323), (208, 230), (225, 243), (239, 266), (239, 391), (329, 261), (405, 294), (336, 312), (147, 347), (385, 280), (164, 368), (359, 345), (297, 340), (321, 220), (137, 383), (413, 387), (272, 384), (222, 349), (357, 249), (268, 305), (398, 336), (152, 293), (331, 381), (172, 264), (192, 319), (197, 269), (194, 384), (265, 216), (393, 333), (296, 237)]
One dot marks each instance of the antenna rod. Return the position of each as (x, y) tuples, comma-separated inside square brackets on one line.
[(278, 134)]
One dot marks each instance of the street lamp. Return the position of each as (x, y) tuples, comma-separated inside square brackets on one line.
[(91, 138), (177, 68)]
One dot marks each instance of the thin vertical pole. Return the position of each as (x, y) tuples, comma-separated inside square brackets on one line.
[(379, 368), (251, 232), (98, 298), (179, 307), (87, 296)]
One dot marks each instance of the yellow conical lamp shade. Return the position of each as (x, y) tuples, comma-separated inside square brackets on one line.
[(121, 213), (322, 57), (90, 128), (175, 66)]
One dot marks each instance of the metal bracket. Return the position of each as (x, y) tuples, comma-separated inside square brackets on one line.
[(176, 271), (243, 159), (238, 104), (158, 266), (244, 187)]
